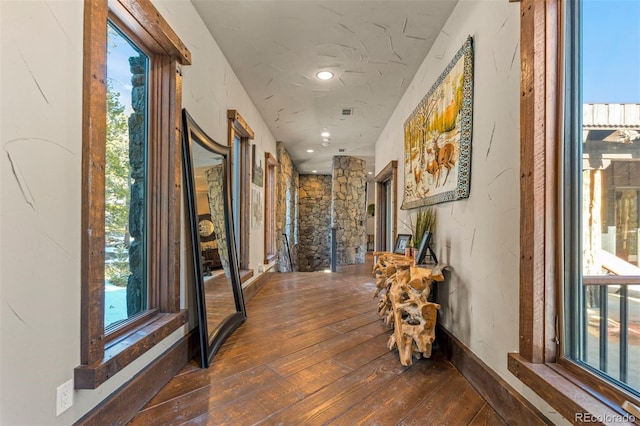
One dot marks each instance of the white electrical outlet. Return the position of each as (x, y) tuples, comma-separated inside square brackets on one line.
[(64, 397)]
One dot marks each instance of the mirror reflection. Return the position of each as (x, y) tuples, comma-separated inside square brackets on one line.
[(220, 306), (209, 188)]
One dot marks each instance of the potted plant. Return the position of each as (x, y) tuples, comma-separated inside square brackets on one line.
[(424, 220)]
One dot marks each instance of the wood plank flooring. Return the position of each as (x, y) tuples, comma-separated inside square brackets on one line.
[(313, 351)]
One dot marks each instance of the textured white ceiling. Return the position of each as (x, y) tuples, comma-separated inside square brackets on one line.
[(374, 48)]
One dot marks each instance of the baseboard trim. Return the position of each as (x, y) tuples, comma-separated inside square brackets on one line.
[(509, 404), (255, 286), (130, 398)]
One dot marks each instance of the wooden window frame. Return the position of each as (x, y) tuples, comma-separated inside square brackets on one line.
[(567, 387), (388, 174), (238, 127), (270, 185), (103, 356)]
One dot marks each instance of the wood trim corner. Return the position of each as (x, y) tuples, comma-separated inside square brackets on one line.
[(130, 398), (561, 390), (170, 298), (148, 17), (94, 99), (126, 350), (539, 40), (239, 124)]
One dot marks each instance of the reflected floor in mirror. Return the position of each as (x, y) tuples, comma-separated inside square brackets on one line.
[(314, 350), (218, 298)]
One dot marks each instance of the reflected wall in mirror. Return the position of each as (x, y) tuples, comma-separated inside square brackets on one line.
[(207, 177)]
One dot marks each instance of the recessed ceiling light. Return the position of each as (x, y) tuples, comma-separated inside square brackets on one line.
[(326, 143), (325, 134), (314, 171), (370, 173), (324, 75), (309, 150)]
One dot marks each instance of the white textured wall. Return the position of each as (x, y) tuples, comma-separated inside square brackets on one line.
[(41, 140), (479, 236), (210, 88)]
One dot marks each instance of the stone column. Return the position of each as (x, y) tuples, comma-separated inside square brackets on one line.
[(137, 283), (286, 208), (348, 210)]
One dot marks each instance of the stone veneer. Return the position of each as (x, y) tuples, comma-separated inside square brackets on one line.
[(314, 251), (348, 210), (286, 210), (215, 180)]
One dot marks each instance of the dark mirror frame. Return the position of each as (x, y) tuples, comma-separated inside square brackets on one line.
[(210, 340)]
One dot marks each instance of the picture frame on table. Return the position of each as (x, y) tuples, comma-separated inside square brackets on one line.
[(402, 240), (425, 248)]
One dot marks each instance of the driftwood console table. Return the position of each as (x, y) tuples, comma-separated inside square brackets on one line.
[(405, 305)]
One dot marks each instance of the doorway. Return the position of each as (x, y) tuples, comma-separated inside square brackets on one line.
[(386, 207)]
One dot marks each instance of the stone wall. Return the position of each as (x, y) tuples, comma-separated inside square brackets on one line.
[(137, 284), (308, 206), (348, 210), (314, 251), (286, 210)]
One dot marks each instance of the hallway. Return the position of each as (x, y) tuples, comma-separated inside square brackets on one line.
[(313, 351)]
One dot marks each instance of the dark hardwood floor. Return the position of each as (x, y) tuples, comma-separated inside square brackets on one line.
[(314, 351)]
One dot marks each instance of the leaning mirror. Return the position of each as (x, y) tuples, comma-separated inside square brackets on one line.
[(207, 177)]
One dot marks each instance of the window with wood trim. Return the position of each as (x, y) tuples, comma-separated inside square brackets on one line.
[(559, 320), (239, 135), (130, 190), (126, 287), (270, 247), (602, 186)]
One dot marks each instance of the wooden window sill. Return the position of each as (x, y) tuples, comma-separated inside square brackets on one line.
[(128, 348), (567, 393)]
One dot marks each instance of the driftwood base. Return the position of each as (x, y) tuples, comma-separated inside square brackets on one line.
[(404, 306)]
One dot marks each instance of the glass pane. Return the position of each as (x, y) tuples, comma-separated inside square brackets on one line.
[(610, 185), (633, 351), (209, 180), (236, 181), (592, 339), (126, 293)]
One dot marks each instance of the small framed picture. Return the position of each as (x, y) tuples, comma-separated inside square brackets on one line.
[(401, 243), (257, 172), (425, 248)]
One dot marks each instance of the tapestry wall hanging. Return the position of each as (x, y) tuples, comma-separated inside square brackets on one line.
[(437, 137)]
